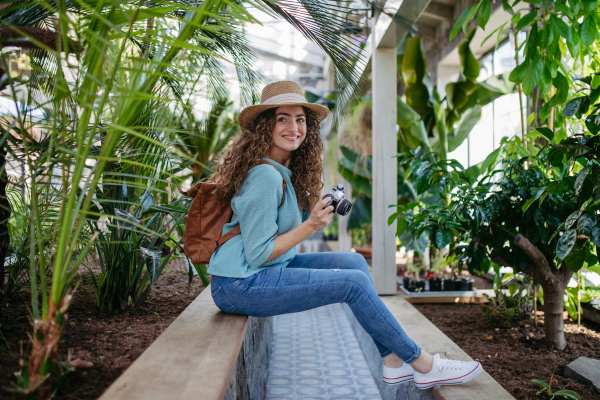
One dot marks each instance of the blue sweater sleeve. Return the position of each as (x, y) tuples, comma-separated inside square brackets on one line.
[(256, 207)]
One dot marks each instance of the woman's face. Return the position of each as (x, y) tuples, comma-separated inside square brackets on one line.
[(290, 129)]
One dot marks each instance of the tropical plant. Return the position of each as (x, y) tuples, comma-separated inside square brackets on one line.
[(504, 310), (103, 100), (132, 249), (547, 388), (440, 124), (204, 140), (499, 219), (558, 31)]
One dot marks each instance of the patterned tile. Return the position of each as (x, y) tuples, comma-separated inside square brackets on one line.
[(316, 356)]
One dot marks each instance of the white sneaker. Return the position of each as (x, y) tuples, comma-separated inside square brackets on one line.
[(447, 372), (396, 376)]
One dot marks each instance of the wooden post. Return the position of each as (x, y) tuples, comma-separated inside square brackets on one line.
[(385, 166)]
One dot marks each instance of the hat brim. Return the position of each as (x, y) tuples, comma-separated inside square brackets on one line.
[(249, 114)]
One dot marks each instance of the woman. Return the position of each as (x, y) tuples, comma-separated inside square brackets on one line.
[(258, 273)]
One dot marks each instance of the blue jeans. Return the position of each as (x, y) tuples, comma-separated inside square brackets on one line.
[(313, 280)]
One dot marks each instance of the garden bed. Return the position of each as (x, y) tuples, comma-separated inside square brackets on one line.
[(110, 342), (515, 356)]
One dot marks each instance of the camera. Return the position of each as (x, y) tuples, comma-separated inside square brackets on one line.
[(339, 203)]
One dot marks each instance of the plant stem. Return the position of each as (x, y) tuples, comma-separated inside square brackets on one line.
[(535, 292), (578, 300), (519, 88)]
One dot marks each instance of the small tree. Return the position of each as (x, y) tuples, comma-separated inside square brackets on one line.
[(539, 217)]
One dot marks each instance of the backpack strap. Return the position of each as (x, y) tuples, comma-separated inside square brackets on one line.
[(237, 230)]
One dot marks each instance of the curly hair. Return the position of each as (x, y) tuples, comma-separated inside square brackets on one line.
[(247, 150)]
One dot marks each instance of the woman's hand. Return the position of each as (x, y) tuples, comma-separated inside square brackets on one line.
[(319, 217)]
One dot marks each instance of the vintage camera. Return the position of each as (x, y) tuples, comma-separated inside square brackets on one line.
[(339, 203)]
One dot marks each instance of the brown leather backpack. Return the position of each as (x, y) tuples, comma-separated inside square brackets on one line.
[(205, 220)]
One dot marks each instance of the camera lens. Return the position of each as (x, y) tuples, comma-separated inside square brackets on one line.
[(344, 208)]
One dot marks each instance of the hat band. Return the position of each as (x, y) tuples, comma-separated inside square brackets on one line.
[(285, 98)]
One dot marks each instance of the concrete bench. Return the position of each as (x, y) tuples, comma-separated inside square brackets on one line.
[(204, 354), (431, 339)]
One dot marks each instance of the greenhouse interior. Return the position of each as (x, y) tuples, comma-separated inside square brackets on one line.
[(300, 199)]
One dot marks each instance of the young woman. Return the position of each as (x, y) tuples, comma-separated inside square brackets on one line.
[(258, 273)]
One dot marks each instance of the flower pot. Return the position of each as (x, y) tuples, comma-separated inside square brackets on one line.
[(464, 284), (420, 285), (435, 285), (406, 282), (366, 252), (450, 285)]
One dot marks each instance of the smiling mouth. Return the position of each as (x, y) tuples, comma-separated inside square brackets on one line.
[(291, 138)]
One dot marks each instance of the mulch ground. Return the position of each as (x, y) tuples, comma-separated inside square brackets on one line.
[(515, 356), (110, 342)]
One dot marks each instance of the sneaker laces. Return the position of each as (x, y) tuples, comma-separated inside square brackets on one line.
[(449, 364)]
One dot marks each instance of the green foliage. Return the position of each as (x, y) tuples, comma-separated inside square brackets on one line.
[(557, 30), (132, 249), (506, 309), (547, 388), (107, 111), (441, 125)]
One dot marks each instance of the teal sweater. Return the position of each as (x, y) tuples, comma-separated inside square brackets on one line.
[(255, 210)]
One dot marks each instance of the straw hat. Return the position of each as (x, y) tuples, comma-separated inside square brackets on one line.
[(278, 94)]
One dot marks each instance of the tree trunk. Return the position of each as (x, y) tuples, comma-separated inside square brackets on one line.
[(4, 216), (554, 282), (554, 305)]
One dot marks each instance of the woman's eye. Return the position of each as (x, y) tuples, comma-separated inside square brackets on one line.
[(282, 120), (300, 120)]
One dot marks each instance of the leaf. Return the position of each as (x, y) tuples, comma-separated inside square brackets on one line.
[(595, 269), (595, 81), (560, 26), (581, 178), (512, 288), (526, 20), (547, 132), (596, 235), (406, 115), (572, 106), (575, 259), (465, 126), (506, 6), (559, 135), (484, 14), (572, 218), (509, 276), (565, 244), (442, 238), (517, 74), (570, 306), (568, 394), (491, 160), (202, 273), (460, 22), (588, 31), (533, 75), (541, 383), (572, 149), (468, 62), (527, 204), (585, 224)]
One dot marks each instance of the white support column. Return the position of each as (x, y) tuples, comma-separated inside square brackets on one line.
[(385, 166)]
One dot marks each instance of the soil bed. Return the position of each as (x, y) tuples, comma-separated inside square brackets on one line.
[(110, 342), (515, 356)]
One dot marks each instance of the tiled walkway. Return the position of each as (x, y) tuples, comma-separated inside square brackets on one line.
[(316, 356)]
